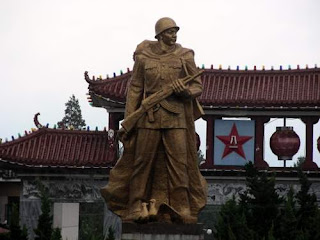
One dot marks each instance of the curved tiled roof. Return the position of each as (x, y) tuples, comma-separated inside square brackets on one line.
[(60, 148), (232, 88)]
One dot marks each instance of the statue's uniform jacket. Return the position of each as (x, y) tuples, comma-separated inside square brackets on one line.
[(160, 160), (153, 71)]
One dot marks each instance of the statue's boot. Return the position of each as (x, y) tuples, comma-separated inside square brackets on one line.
[(139, 214)]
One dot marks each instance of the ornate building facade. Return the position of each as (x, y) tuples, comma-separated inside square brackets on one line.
[(75, 164)]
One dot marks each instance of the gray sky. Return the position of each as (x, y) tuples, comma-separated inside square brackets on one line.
[(45, 47)]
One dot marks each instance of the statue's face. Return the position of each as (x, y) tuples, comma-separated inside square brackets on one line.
[(169, 36)]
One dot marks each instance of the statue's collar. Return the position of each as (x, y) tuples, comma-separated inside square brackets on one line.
[(152, 49)]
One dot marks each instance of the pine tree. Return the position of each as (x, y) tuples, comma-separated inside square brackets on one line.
[(24, 234), (44, 228), (15, 230), (73, 116), (286, 222), (299, 163), (231, 235), (232, 223), (201, 159), (270, 234), (110, 235), (260, 202), (56, 234), (308, 214)]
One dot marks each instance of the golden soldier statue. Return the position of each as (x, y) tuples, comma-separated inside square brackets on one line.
[(159, 165)]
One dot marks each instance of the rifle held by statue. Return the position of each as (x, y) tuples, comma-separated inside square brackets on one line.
[(130, 121)]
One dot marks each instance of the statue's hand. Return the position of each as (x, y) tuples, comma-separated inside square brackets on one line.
[(122, 134), (180, 88)]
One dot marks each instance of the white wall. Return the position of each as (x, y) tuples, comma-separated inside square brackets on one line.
[(66, 217)]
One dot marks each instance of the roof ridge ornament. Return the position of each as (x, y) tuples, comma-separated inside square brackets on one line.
[(87, 78), (36, 121)]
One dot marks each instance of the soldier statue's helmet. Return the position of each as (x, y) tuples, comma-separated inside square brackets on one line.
[(163, 24)]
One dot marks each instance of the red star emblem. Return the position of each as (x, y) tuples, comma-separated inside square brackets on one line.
[(234, 142)]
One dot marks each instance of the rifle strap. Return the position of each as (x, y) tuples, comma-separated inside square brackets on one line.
[(183, 61)]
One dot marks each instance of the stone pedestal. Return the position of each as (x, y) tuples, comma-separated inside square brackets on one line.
[(162, 231)]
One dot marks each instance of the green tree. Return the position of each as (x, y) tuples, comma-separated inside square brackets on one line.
[(110, 235), (261, 214), (308, 216), (270, 234), (73, 117), (299, 162), (15, 230), (260, 201), (232, 223), (4, 236), (24, 233), (56, 234), (286, 222), (201, 159), (44, 228)]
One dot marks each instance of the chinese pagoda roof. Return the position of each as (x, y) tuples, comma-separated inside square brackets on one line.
[(45, 147), (240, 89)]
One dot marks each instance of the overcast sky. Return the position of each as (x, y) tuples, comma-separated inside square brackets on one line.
[(45, 47)]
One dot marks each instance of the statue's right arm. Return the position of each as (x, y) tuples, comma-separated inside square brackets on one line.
[(135, 88)]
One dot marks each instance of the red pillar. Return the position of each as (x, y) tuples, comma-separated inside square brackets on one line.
[(259, 139), (114, 119), (209, 144), (309, 163)]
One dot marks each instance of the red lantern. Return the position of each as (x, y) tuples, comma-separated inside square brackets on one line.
[(284, 143)]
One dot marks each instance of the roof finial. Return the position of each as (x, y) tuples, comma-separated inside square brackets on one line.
[(36, 122)]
